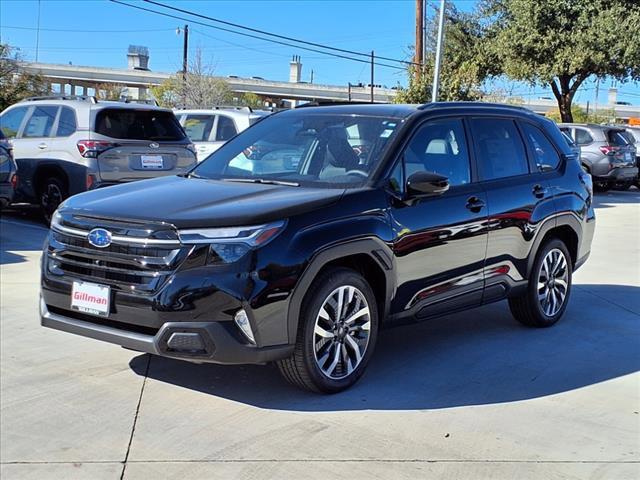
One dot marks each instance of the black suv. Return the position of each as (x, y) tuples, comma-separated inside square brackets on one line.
[(305, 234)]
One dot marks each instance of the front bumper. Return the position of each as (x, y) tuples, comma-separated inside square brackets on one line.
[(193, 341)]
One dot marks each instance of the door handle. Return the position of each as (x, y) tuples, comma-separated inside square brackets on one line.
[(42, 146), (539, 191), (474, 204)]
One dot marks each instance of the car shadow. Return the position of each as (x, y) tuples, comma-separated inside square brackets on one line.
[(478, 357), (613, 197), (20, 232)]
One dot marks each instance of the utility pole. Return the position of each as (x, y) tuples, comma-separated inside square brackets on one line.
[(424, 30), (418, 59), (439, 48), (185, 53), (349, 92), (595, 106), (372, 64), (38, 33)]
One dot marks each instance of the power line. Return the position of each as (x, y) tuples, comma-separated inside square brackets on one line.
[(255, 36), (270, 34), (73, 30)]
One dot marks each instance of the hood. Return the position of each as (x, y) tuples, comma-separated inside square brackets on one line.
[(193, 202)]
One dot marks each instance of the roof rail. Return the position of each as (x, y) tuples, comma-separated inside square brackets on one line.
[(334, 104), (85, 98), (430, 105), (144, 101)]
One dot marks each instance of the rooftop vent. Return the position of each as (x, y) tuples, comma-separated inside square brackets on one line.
[(138, 57)]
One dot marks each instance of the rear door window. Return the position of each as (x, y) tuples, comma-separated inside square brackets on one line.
[(226, 129), (198, 127), (583, 137), (10, 121), (544, 153), (499, 148), (40, 122), (138, 124), (66, 123)]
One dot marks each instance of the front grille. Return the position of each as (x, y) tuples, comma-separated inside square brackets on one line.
[(133, 267)]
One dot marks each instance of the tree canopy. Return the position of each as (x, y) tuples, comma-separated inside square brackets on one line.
[(15, 83), (554, 43), (561, 43)]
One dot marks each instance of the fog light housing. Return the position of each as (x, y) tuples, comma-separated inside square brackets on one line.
[(242, 321)]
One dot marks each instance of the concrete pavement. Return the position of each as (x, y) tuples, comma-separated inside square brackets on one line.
[(472, 395)]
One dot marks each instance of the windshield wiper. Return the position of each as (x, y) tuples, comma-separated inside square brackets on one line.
[(264, 181)]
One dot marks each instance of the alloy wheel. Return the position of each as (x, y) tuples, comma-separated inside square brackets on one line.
[(341, 332), (553, 282)]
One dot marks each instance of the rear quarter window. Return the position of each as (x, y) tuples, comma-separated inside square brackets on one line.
[(544, 153), (138, 124)]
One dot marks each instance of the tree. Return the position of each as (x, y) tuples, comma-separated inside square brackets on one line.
[(200, 90), (15, 83), (461, 73), (111, 91), (561, 43), (250, 99), (607, 115)]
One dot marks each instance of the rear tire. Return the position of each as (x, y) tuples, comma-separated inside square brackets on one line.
[(549, 288), (337, 333), (52, 193)]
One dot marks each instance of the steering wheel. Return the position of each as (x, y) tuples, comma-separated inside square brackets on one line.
[(357, 172)]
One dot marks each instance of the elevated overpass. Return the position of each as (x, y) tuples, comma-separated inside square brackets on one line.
[(80, 79)]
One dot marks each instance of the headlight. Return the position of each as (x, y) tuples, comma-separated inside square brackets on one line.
[(56, 218), (229, 244)]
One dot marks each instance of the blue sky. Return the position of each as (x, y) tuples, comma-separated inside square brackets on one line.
[(98, 32)]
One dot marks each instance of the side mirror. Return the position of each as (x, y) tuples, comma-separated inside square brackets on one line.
[(427, 183)]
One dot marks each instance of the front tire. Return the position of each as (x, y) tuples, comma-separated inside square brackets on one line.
[(337, 333), (549, 287)]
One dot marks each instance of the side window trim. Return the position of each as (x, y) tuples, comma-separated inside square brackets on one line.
[(214, 129)]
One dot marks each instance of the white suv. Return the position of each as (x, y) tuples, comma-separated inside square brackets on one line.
[(208, 129), (66, 145)]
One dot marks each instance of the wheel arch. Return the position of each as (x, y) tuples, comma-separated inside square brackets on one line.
[(566, 228), (367, 256)]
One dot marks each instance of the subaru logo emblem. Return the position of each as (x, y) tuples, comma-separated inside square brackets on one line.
[(154, 145), (99, 237)]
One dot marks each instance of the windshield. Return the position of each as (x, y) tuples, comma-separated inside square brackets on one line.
[(319, 150)]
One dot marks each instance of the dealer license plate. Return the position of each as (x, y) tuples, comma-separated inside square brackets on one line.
[(152, 161), (91, 298)]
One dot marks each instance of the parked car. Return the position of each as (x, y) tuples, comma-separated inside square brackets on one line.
[(208, 129), (8, 169), (454, 205), (632, 135), (66, 145), (604, 152)]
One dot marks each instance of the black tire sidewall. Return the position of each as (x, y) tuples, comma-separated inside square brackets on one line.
[(541, 317), (45, 187), (320, 290)]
